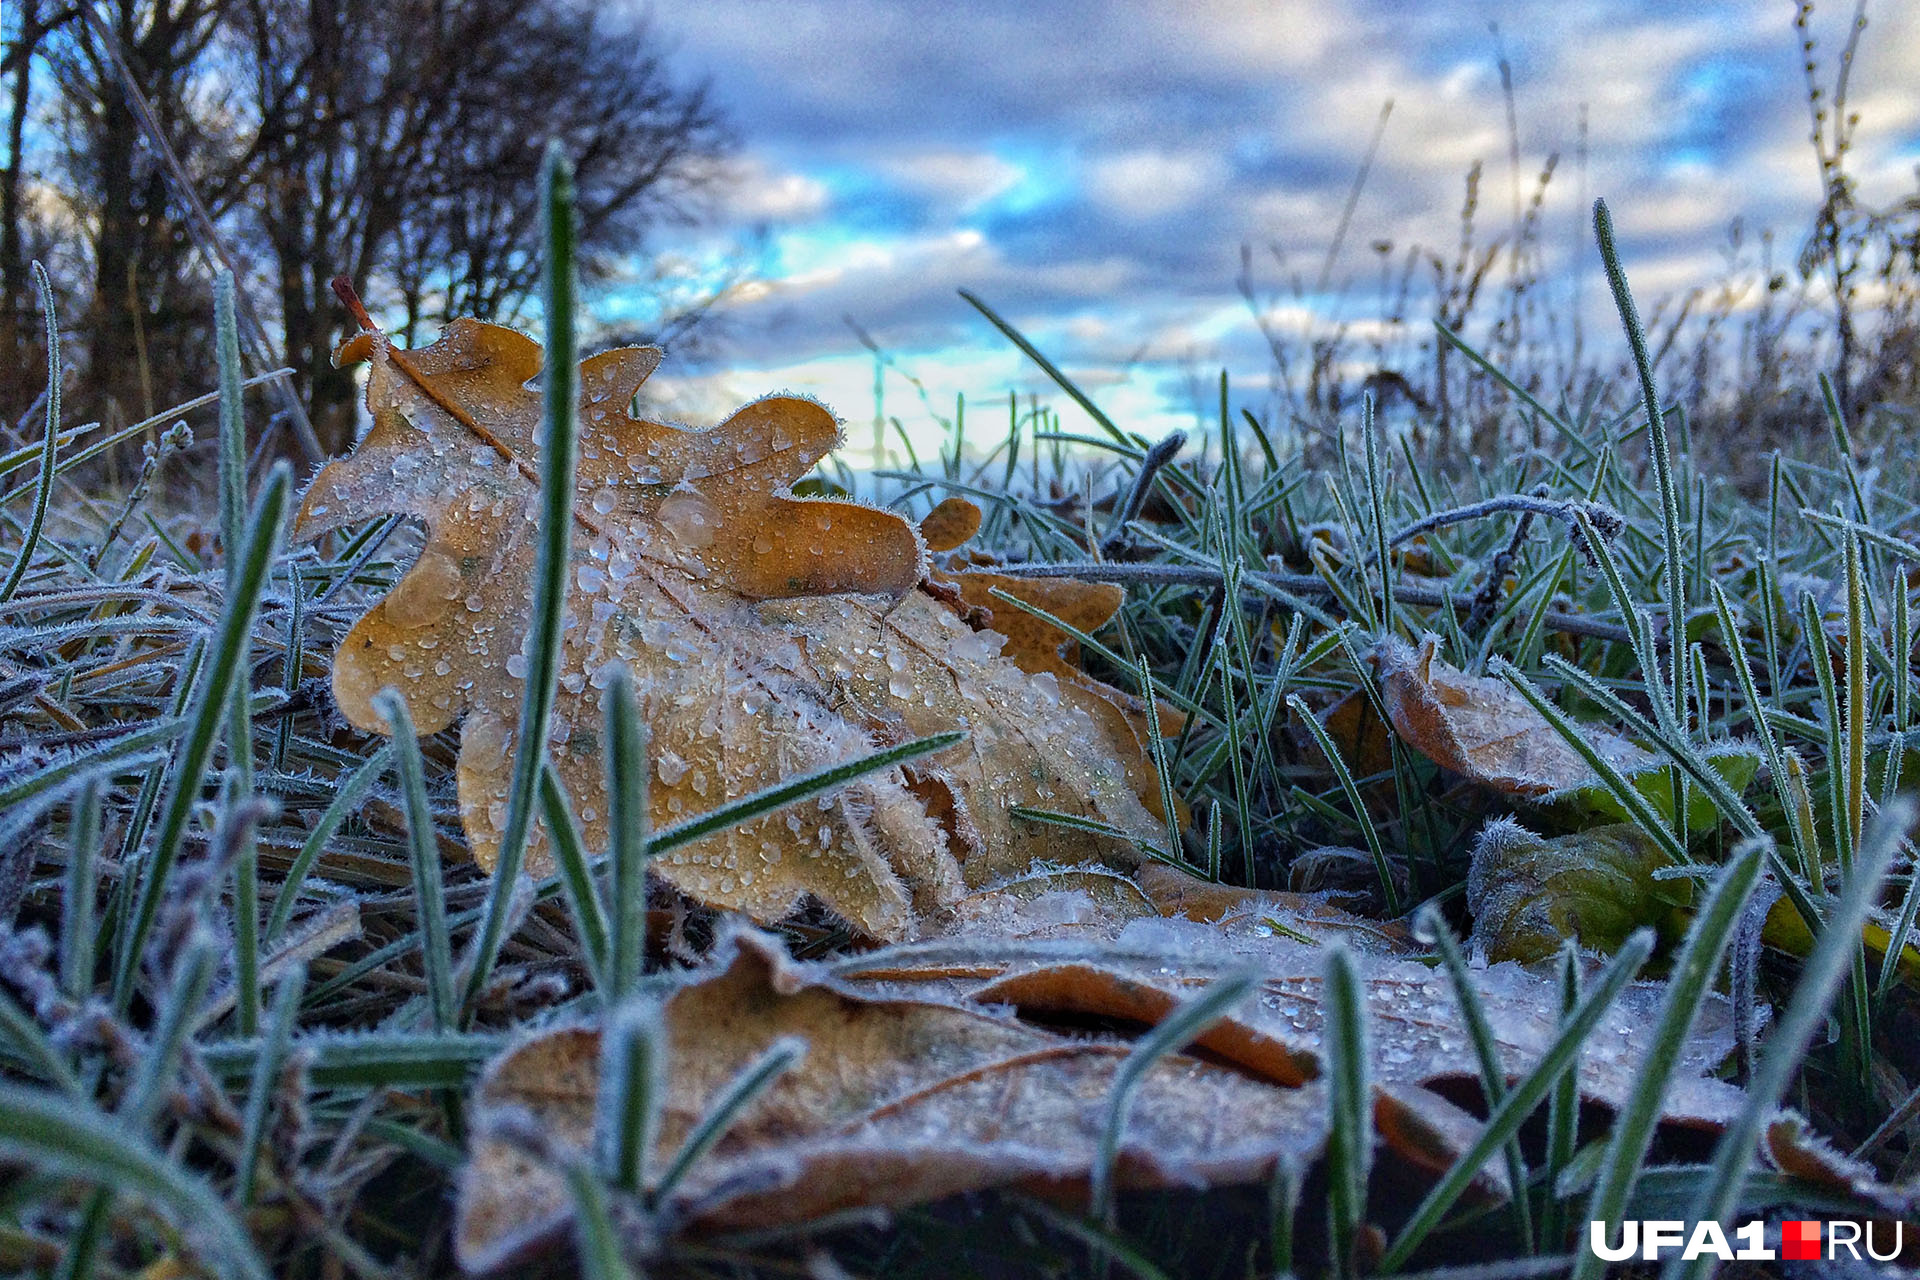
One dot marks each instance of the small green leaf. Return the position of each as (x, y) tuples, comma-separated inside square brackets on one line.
[(1529, 893)]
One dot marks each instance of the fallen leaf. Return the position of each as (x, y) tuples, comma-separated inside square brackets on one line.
[(1416, 1029), (1528, 893), (1046, 651), (897, 1101), (951, 523), (768, 635), (1735, 762), (1795, 1149), (1316, 916), (1480, 728), (936, 1068)]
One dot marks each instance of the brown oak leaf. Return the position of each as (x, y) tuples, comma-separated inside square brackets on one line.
[(768, 635), (1481, 729), (937, 1068)]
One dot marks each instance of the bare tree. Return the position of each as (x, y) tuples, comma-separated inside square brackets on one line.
[(397, 143), (146, 310)]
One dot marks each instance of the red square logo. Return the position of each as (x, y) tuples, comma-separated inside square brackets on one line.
[(1800, 1241)]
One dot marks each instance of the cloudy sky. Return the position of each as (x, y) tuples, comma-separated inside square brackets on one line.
[(1093, 167)]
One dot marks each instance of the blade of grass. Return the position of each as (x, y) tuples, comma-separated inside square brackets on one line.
[(266, 1072), (1047, 367), (1671, 547), (1493, 1076), (1563, 1114), (1349, 1106), (1687, 987), (1174, 1032), (345, 800), (633, 1051), (627, 801), (1506, 1119), (31, 1051), (216, 686), (734, 1097), (60, 1134), (558, 450), (423, 845), (596, 1244), (804, 787), (575, 873), (50, 445), (78, 894), (1324, 740), (1617, 785), (1826, 967), (233, 516)]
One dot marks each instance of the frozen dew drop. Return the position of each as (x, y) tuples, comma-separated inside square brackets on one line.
[(483, 742), (690, 518), (671, 766)]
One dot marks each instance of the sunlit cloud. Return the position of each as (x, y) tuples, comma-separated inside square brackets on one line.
[(1093, 170)]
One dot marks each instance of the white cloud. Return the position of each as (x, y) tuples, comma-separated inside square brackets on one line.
[(758, 192), (1110, 156), (1144, 185), (962, 180)]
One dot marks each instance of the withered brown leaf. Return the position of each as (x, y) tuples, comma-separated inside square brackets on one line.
[(768, 635), (898, 1101), (1480, 728), (933, 1069)]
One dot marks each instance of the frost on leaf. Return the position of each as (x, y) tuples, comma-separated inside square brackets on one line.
[(768, 635), (939, 1068), (1529, 893), (897, 1101), (1480, 728)]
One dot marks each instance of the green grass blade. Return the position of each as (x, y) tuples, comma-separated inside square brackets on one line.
[(596, 1243), (1047, 367), (31, 1050), (633, 1051), (79, 890), (804, 787), (1174, 1032), (734, 1097), (233, 517), (1493, 1075), (216, 683), (50, 443), (345, 800), (1349, 1106), (1563, 1113), (60, 1134), (1616, 783), (266, 1072), (1375, 846), (423, 845), (1506, 1119), (1671, 546), (377, 1060), (575, 873), (558, 450), (1687, 989), (627, 819), (1826, 967)]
